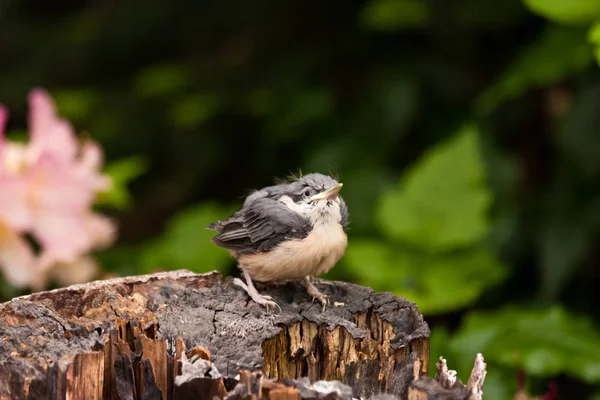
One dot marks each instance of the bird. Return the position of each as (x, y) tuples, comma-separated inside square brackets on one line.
[(296, 229)]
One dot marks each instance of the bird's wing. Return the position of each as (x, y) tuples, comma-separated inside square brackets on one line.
[(260, 226)]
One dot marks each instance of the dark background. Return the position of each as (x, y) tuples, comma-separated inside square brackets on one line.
[(465, 133)]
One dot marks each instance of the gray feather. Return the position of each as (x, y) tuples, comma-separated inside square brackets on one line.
[(262, 224), (345, 214)]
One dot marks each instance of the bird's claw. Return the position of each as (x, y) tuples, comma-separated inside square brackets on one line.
[(266, 301), (323, 298), (263, 300)]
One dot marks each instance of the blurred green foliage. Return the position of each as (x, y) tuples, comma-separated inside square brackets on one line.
[(433, 225), (573, 11), (186, 243), (466, 134), (121, 173), (539, 66), (437, 211), (544, 342), (391, 15)]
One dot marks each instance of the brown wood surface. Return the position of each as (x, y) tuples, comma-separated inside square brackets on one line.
[(182, 335)]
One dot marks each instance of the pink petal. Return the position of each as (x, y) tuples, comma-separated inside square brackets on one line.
[(3, 118), (89, 166), (55, 186), (14, 158), (18, 261), (82, 270), (100, 229), (63, 237), (49, 133), (14, 210), (91, 156)]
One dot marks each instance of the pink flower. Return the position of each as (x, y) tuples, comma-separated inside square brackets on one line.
[(47, 189)]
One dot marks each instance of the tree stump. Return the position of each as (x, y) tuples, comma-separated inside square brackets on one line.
[(184, 335)]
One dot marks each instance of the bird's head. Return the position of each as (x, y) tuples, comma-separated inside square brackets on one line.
[(316, 197)]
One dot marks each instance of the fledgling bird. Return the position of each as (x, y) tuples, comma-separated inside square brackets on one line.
[(293, 230)]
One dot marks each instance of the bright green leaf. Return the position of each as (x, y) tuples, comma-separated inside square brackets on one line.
[(566, 11), (435, 283), (186, 243), (370, 261), (538, 65), (544, 342), (449, 282), (443, 201), (122, 172), (594, 37), (594, 33), (389, 15)]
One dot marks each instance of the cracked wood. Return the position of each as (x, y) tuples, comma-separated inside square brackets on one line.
[(127, 337)]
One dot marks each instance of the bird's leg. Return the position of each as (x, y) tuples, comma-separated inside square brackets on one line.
[(315, 293), (253, 293)]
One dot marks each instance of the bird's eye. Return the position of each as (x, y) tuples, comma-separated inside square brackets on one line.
[(306, 193)]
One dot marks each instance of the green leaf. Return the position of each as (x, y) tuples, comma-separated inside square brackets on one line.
[(500, 382), (17, 135), (594, 38), (74, 104), (566, 11), (186, 243), (162, 80), (544, 342), (122, 172), (371, 261), (437, 283), (594, 33), (443, 201), (191, 111), (389, 15), (538, 65)]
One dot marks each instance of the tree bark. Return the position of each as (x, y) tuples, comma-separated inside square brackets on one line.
[(180, 335)]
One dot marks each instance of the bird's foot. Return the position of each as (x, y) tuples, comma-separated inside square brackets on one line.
[(315, 293), (323, 298), (266, 301)]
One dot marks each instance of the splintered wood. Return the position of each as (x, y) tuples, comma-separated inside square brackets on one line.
[(181, 335), (306, 349)]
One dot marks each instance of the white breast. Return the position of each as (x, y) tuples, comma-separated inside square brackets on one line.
[(294, 259)]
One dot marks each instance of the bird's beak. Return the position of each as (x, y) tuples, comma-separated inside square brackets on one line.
[(329, 194)]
